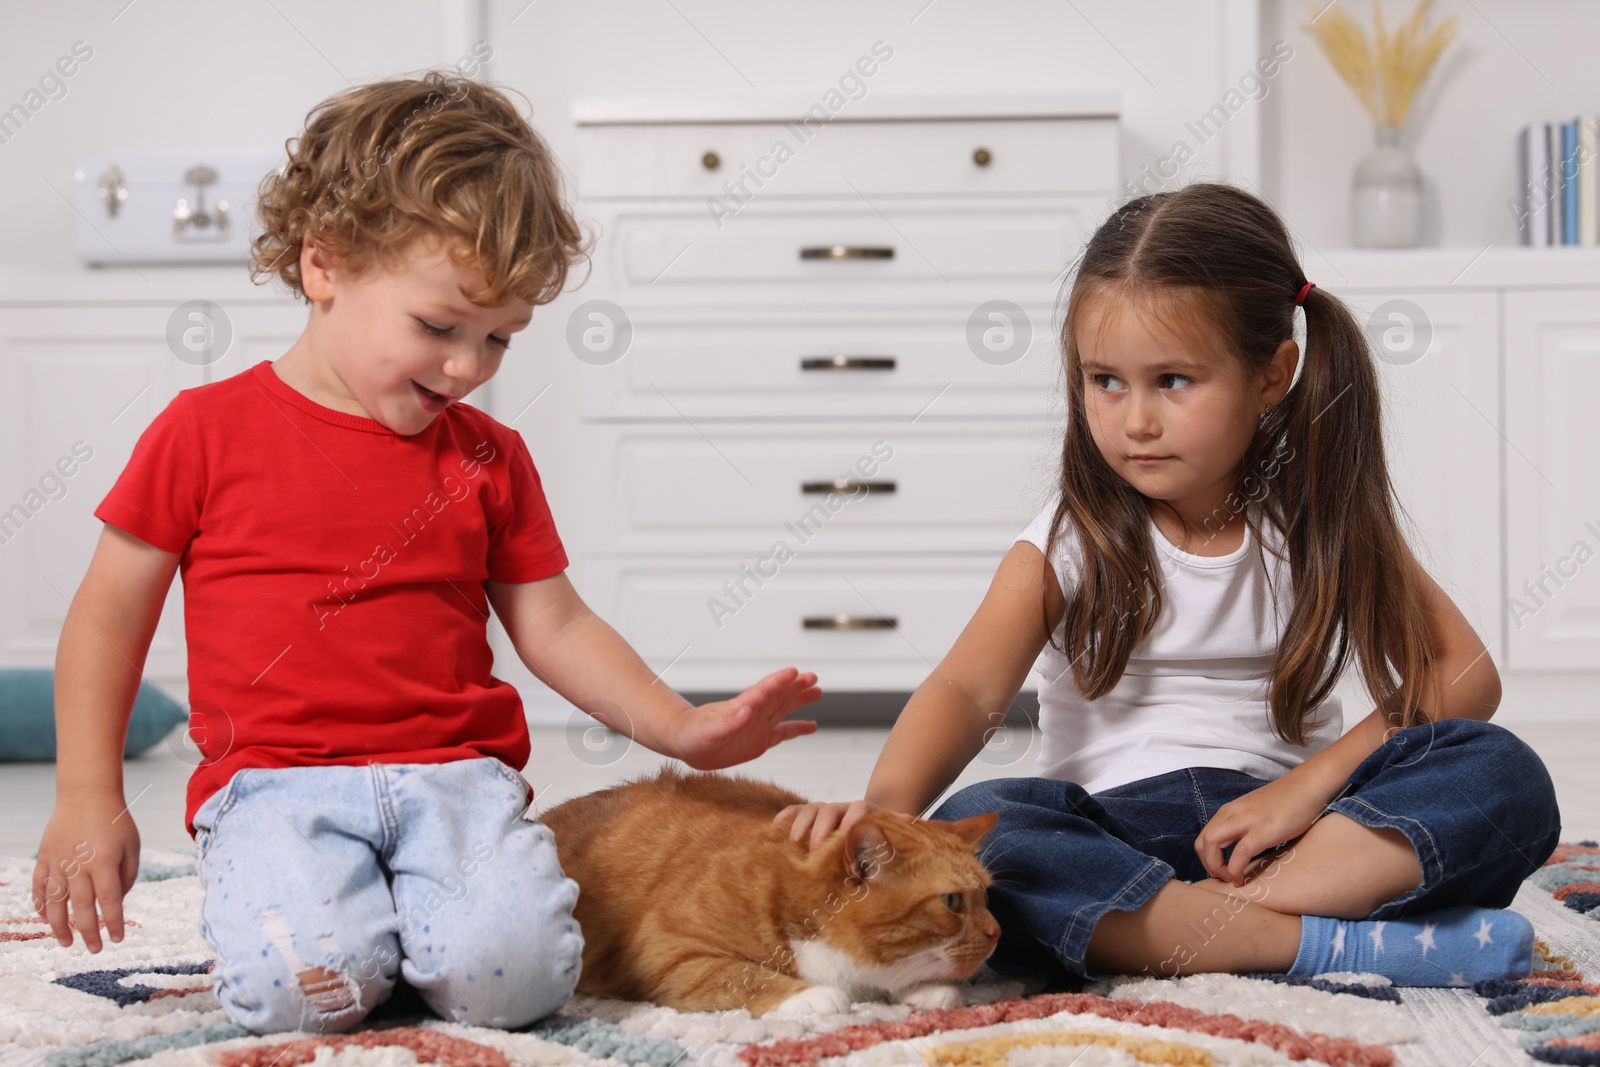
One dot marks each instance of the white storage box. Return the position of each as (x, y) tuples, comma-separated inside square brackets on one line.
[(196, 208)]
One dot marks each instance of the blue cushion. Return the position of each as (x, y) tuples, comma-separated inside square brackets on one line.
[(28, 715)]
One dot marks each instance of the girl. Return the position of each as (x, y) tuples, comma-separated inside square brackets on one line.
[(1224, 535)]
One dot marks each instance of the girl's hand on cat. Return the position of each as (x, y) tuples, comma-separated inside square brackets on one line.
[(728, 732), (820, 819), (1265, 818)]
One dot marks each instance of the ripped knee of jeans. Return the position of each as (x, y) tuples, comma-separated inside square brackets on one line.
[(325, 991)]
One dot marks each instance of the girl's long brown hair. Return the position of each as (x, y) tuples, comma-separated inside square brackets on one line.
[(1318, 458)]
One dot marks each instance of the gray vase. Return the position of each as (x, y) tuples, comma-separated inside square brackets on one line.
[(1386, 196)]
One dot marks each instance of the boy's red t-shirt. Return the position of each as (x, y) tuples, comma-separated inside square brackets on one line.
[(333, 576)]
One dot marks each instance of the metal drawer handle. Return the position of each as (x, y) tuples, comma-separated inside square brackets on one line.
[(846, 485), (846, 252), (112, 189), (847, 363), (850, 622)]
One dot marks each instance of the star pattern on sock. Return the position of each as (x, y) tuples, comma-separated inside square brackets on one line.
[(1455, 946)]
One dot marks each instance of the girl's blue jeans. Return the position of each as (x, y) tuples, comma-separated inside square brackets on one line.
[(324, 883), (1472, 798)]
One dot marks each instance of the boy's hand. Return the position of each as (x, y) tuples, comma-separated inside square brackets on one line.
[(822, 819), (89, 856), (727, 732)]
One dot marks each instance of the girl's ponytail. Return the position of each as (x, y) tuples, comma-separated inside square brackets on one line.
[(1348, 557), (1318, 456)]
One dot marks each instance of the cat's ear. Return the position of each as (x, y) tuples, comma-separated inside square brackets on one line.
[(866, 850), (974, 827)]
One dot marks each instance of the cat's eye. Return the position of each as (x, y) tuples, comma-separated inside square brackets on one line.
[(951, 901)]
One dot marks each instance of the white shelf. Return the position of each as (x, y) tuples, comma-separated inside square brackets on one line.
[(1495, 267), (26, 285), (873, 107)]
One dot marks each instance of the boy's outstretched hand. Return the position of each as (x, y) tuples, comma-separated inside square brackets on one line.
[(728, 732)]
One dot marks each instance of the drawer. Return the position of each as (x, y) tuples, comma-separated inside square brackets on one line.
[(714, 362), (878, 486), (759, 159), (668, 612), (847, 245)]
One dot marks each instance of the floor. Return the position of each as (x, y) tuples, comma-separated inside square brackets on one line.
[(832, 764)]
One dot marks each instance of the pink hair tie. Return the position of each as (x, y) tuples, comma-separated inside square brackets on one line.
[(1304, 289)]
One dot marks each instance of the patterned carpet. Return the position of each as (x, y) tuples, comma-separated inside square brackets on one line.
[(149, 1001)]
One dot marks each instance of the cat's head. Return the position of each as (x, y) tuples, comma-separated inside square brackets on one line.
[(910, 899)]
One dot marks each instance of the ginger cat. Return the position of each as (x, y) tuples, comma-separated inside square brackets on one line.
[(692, 898)]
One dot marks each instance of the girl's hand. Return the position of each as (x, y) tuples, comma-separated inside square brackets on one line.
[(727, 732), (88, 858), (821, 819), (1275, 814)]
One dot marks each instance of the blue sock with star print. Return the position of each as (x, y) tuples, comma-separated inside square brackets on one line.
[(1451, 947)]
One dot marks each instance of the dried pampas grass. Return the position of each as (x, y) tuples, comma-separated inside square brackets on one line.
[(1386, 75)]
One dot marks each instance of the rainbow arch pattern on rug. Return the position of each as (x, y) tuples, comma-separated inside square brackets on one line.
[(148, 1002), (1555, 1008)]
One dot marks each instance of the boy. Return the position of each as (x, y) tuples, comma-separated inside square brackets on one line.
[(343, 526)]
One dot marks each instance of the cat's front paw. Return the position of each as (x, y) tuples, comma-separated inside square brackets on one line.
[(933, 996), (815, 1000)]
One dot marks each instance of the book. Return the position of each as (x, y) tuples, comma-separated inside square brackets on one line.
[(1569, 182), (1588, 181), (1557, 200), (1533, 159)]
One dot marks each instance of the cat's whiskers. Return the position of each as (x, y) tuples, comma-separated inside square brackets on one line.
[(991, 859)]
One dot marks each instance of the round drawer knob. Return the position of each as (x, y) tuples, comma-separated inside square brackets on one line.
[(982, 157), (711, 161)]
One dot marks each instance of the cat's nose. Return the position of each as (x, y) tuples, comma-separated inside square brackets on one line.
[(993, 932)]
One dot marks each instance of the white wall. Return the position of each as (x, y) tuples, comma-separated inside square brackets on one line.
[(168, 75), (1511, 63)]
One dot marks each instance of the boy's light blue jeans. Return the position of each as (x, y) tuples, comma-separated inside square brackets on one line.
[(324, 883)]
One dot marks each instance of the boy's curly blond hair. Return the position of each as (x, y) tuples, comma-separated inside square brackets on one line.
[(380, 166)]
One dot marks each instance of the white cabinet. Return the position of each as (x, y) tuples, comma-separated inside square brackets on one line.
[(682, 251), (784, 362), (880, 486), (1552, 479), (1492, 441), (839, 398), (863, 623), (1438, 369), (82, 383), (731, 154)]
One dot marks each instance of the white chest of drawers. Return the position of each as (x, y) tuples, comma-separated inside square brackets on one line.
[(821, 382)]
